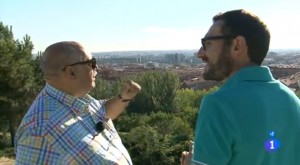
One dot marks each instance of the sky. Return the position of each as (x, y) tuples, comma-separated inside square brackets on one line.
[(122, 25)]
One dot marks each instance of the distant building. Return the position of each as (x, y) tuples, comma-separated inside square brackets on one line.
[(174, 58), (151, 65), (293, 81), (139, 59), (283, 71)]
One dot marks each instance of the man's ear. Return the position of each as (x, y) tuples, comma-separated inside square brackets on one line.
[(70, 73), (239, 46)]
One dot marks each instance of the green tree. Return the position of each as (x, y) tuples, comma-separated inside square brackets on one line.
[(38, 79), (154, 139), (188, 102), (105, 89), (16, 76), (298, 94), (158, 92)]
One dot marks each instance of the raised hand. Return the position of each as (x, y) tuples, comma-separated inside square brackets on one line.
[(186, 156), (129, 90)]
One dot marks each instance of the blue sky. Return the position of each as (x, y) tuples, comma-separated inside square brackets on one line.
[(116, 25)]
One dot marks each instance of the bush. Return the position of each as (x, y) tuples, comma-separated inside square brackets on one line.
[(7, 152)]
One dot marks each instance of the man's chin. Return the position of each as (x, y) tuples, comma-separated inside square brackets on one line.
[(211, 76), (205, 77), (206, 68), (207, 73), (93, 84)]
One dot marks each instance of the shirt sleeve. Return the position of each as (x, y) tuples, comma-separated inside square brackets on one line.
[(35, 150), (97, 110), (213, 134)]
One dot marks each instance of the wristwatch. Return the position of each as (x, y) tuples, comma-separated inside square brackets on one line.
[(123, 100)]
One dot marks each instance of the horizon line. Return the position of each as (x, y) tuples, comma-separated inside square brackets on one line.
[(157, 50)]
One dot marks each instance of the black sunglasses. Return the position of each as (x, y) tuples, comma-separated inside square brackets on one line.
[(92, 62), (203, 40)]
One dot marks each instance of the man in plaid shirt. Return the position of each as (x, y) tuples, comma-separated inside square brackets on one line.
[(65, 125)]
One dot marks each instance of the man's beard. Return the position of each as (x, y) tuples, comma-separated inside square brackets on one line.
[(221, 69)]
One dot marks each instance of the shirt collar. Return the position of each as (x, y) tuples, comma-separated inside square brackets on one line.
[(250, 73), (76, 104)]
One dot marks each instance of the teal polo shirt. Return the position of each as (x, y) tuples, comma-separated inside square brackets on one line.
[(252, 119)]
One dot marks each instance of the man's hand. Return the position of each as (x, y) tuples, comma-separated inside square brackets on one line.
[(186, 157), (129, 90), (116, 105)]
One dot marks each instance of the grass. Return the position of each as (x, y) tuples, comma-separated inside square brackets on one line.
[(7, 156), (6, 161)]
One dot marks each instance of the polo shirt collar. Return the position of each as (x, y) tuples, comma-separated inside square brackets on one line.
[(250, 73), (76, 104)]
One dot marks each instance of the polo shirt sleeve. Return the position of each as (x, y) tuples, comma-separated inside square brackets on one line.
[(213, 134)]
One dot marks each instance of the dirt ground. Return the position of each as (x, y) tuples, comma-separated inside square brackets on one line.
[(6, 161)]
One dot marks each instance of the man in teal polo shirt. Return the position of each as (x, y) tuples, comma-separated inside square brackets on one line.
[(252, 119)]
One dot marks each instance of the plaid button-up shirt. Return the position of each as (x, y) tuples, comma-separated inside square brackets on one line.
[(60, 129)]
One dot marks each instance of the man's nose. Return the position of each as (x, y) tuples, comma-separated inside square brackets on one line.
[(200, 53), (97, 70)]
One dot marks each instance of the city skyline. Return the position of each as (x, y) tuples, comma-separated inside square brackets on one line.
[(136, 25)]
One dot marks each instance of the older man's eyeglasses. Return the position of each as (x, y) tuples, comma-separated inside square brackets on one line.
[(92, 62), (203, 40)]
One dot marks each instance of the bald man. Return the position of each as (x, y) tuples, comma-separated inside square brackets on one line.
[(65, 125)]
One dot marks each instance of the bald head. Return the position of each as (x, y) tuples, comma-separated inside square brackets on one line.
[(59, 55)]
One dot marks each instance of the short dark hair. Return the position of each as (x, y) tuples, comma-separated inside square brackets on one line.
[(255, 32)]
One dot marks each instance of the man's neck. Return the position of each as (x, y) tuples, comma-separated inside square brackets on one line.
[(250, 64), (63, 86)]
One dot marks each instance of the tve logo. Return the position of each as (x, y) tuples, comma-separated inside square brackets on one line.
[(272, 144)]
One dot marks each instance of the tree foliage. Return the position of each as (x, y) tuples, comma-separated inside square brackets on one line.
[(158, 138), (298, 94), (104, 89), (159, 123), (38, 79), (158, 92), (16, 75)]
